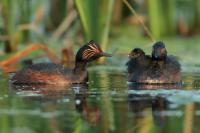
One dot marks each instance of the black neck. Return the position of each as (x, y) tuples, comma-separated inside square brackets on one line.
[(80, 66)]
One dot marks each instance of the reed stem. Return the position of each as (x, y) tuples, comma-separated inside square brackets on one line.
[(140, 20)]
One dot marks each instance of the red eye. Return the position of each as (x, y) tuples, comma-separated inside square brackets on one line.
[(97, 51)]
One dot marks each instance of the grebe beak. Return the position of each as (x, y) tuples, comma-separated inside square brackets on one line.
[(105, 54)]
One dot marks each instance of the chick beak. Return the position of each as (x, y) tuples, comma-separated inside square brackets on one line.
[(131, 56)]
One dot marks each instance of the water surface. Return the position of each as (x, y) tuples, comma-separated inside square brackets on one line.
[(106, 104)]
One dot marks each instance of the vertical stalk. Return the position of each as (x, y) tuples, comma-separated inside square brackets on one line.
[(141, 22), (154, 15), (83, 17), (7, 24), (161, 16), (117, 9), (170, 17), (90, 13), (107, 26), (57, 13), (197, 14), (25, 13)]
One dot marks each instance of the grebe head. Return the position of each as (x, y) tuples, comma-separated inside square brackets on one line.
[(136, 52), (90, 51), (159, 51)]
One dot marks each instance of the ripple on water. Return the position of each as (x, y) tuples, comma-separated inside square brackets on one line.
[(174, 96), (34, 112)]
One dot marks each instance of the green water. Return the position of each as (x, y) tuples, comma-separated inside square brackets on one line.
[(106, 104)]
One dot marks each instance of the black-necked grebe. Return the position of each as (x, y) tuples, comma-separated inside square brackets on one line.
[(50, 73)]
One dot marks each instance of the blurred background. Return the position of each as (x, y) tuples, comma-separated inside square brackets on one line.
[(115, 26), (109, 22)]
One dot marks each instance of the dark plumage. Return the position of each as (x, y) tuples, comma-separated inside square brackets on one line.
[(138, 63), (161, 68), (50, 73)]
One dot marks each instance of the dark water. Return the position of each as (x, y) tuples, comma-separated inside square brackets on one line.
[(106, 104)]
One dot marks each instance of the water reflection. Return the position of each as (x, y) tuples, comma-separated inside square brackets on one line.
[(106, 104), (78, 93), (90, 112), (139, 104), (52, 92), (147, 109)]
